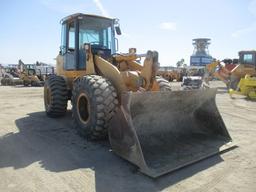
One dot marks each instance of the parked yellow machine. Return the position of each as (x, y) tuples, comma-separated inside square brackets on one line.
[(246, 86), (171, 75), (240, 79), (28, 75), (112, 95), (246, 66), (20, 75)]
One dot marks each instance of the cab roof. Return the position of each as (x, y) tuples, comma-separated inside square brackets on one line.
[(73, 16), (247, 51)]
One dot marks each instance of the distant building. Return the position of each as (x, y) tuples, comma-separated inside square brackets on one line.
[(201, 56)]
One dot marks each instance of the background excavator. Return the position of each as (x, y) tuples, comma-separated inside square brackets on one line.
[(112, 95), (240, 78)]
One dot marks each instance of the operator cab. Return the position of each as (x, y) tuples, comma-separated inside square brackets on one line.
[(247, 58), (80, 31)]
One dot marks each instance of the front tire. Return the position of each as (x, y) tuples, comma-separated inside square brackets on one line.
[(55, 96), (94, 101)]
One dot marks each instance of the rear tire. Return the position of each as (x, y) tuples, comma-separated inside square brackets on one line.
[(94, 102), (164, 85), (55, 96)]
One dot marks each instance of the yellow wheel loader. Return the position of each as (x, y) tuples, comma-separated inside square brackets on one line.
[(243, 76), (246, 66), (112, 95), (246, 86), (28, 75), (240, 79)]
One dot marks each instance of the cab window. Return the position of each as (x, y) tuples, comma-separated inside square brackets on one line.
[(71, 37), (248, 58)]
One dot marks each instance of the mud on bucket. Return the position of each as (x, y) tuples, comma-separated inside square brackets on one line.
[(164, 131)]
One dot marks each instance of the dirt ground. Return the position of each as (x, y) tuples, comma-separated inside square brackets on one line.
[(38, 153)]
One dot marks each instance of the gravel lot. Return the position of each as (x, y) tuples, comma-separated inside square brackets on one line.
[(42, 154)]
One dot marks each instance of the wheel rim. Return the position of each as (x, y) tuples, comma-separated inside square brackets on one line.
[(83, 108)]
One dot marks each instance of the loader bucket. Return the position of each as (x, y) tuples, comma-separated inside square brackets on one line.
[(164, 131)]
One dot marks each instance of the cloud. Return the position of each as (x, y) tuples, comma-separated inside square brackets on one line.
[(172, 26), (100, 7)]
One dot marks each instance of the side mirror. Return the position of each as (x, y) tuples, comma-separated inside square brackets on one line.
[(118, 30), (60, 52), (117, 27)]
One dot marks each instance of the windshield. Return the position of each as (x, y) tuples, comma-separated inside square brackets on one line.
[(96, 31), (248, 58)]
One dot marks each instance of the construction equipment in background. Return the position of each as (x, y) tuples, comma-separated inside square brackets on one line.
[(43, 70), (157, 129), (193, 78), (246, 66), (218, 71), (26, 74), (246, 86), (243, 76), (230, 63), (10, 77), (171, 73), (1, 72), (239, 78), (29, 76)]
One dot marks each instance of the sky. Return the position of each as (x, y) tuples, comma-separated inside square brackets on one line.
[(30, 29)]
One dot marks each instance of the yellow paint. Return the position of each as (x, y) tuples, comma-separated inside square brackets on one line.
[(246, 86)]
